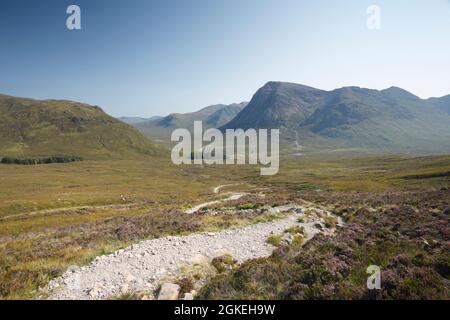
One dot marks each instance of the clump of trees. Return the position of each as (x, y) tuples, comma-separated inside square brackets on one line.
[(45, 160)]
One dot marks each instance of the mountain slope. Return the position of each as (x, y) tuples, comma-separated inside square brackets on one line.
[(277, 104), (350, 117), (53, 127), (212, 116), (442, 103)]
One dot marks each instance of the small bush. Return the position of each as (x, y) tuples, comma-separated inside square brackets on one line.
[(295, 230), (298, 240), (186, 285), (224, 263), (330, 222), (442, 265), (274, 240)]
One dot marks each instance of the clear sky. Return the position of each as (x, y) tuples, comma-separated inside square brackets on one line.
[(153, 57)]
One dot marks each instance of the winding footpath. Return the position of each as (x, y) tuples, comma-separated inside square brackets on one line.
[(216, 190), (143, 266)]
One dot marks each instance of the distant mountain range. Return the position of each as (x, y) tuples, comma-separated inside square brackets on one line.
[(31, 127), (213, 116), (311, 120), (345, 119), (349, 118), (136, 120)]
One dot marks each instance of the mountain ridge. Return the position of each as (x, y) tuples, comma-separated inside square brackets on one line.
[(392, 119), (213, 116)]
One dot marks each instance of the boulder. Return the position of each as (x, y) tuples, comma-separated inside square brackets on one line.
[(188, 296), (169, 291)]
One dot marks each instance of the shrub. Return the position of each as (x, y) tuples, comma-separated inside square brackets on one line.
[(34, 161), (298, 240), (274, 240), (330, 222), (295, 230), (224, 263), (186, 285), (246, 206), (442, 265)]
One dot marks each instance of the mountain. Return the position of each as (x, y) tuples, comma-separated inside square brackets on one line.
[(349, 118), (213, 116), (31, 127), (136, 120), (442, 103), (277, 104)]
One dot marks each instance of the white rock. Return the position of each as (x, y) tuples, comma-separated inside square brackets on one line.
[(169, 291), (124, 289), (188, 296)]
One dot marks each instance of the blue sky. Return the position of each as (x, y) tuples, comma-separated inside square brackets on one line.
[(148, 57)]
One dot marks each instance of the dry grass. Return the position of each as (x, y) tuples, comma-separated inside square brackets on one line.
[(38, 246)]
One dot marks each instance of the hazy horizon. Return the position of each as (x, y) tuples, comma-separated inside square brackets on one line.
[(149, 58)]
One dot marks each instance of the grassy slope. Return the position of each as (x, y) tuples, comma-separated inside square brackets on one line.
[(54, 127)]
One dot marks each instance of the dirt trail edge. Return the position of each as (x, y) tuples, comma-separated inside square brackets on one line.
[(143, 266)]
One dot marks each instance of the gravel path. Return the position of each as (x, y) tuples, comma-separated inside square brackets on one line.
[(142, 266), (217, 189), (232, 197)]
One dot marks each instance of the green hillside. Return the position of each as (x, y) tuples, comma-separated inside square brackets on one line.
[(40, 128)]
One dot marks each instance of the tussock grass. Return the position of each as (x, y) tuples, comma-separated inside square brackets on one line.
[(274, 240)]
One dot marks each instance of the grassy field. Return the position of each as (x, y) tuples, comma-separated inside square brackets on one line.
[(56, 215), (31, 188), (364, 173)]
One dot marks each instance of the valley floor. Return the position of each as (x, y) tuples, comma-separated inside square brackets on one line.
[(60, 215)]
